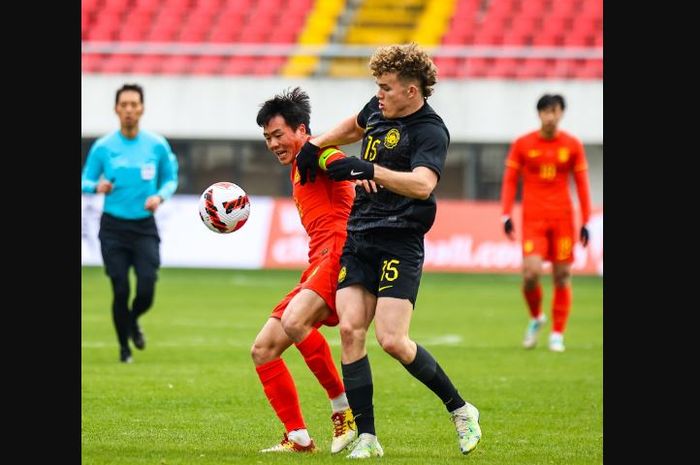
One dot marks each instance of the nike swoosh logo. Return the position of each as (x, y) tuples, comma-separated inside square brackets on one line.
[(355, 173), (385, 287)]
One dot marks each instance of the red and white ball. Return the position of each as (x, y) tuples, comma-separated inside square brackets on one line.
[(224, 207)]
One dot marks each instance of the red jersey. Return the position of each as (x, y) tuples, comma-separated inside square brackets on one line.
[(544, 165), (324, 206)]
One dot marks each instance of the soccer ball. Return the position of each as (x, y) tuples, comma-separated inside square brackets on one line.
[(224, 207)]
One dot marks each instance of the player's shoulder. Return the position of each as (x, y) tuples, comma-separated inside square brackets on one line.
[(528, 137), (569, 138), (426, 122)]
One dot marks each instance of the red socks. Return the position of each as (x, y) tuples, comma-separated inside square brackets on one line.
[(533, 298), (279, 386), (561, 306), (282, 393), (317, 356)]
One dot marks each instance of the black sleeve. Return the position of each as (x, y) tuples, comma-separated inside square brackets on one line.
[(430, 149), (368, 109)]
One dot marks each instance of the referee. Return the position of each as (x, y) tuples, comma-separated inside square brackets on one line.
[(137, 172)]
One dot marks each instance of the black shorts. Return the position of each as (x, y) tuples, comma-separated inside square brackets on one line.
[(126, 243), (386, 262)]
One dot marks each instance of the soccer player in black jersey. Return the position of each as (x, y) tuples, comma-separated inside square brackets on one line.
[(404, 145)]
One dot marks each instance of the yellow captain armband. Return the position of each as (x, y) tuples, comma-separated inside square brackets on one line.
[(329, 155)]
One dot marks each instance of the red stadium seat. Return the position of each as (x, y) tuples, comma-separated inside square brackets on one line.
[(175, 6), (447, 66), (207, 65), (268, 66), (89, 6), (177, 64), (238, 65), (547, 39), (101, 34), (131, 33), (474, 67), (503, 68), (209, 6), (92, 62), (592, 69), (114, 6), (118, 64), (147, 64)]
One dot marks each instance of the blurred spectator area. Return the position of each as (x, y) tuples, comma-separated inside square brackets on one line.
[(508, 39)]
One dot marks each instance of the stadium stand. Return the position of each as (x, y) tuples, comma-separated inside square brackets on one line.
[(523, 29)]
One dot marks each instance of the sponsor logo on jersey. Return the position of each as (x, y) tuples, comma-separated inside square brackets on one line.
[(341, 275)]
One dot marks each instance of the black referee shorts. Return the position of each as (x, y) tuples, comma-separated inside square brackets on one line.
[(387, 262), (126, 243)]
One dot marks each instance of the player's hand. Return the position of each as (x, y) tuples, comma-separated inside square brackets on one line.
[(351, 168), (103, 186), (584, 236), (307, 162), (153, 202), (369, 185), (508, 227)]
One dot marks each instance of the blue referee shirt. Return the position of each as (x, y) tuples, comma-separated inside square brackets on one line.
[(138, 168)]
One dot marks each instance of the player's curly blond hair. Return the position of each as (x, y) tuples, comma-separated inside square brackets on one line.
[(409, 61)]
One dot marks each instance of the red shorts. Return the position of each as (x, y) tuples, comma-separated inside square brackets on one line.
[(321, 277), (553, 240)]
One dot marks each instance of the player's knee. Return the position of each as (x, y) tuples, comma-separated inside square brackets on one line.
[(260, 354), (392, 344), (562, 278), (531, 278), (350, 334), (292, 324)]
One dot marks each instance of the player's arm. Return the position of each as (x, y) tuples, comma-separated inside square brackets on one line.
[(584, 193), (347, 132), (417, 184), (509, 186), (94, 167)]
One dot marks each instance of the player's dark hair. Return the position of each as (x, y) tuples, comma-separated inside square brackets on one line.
[(550, 100), (292, 105), (134, 87)]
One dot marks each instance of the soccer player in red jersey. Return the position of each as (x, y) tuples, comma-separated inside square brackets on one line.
[(544, 159), (323, 208)]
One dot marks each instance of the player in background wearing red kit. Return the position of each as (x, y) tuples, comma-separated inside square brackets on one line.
[(544, 159), (323, 208)]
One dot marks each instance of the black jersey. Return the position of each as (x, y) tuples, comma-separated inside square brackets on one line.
[(401, 144)]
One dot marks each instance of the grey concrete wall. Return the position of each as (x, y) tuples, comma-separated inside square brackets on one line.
[(220, 107)]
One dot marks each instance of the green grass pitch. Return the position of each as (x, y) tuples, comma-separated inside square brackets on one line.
[(193, 397)]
